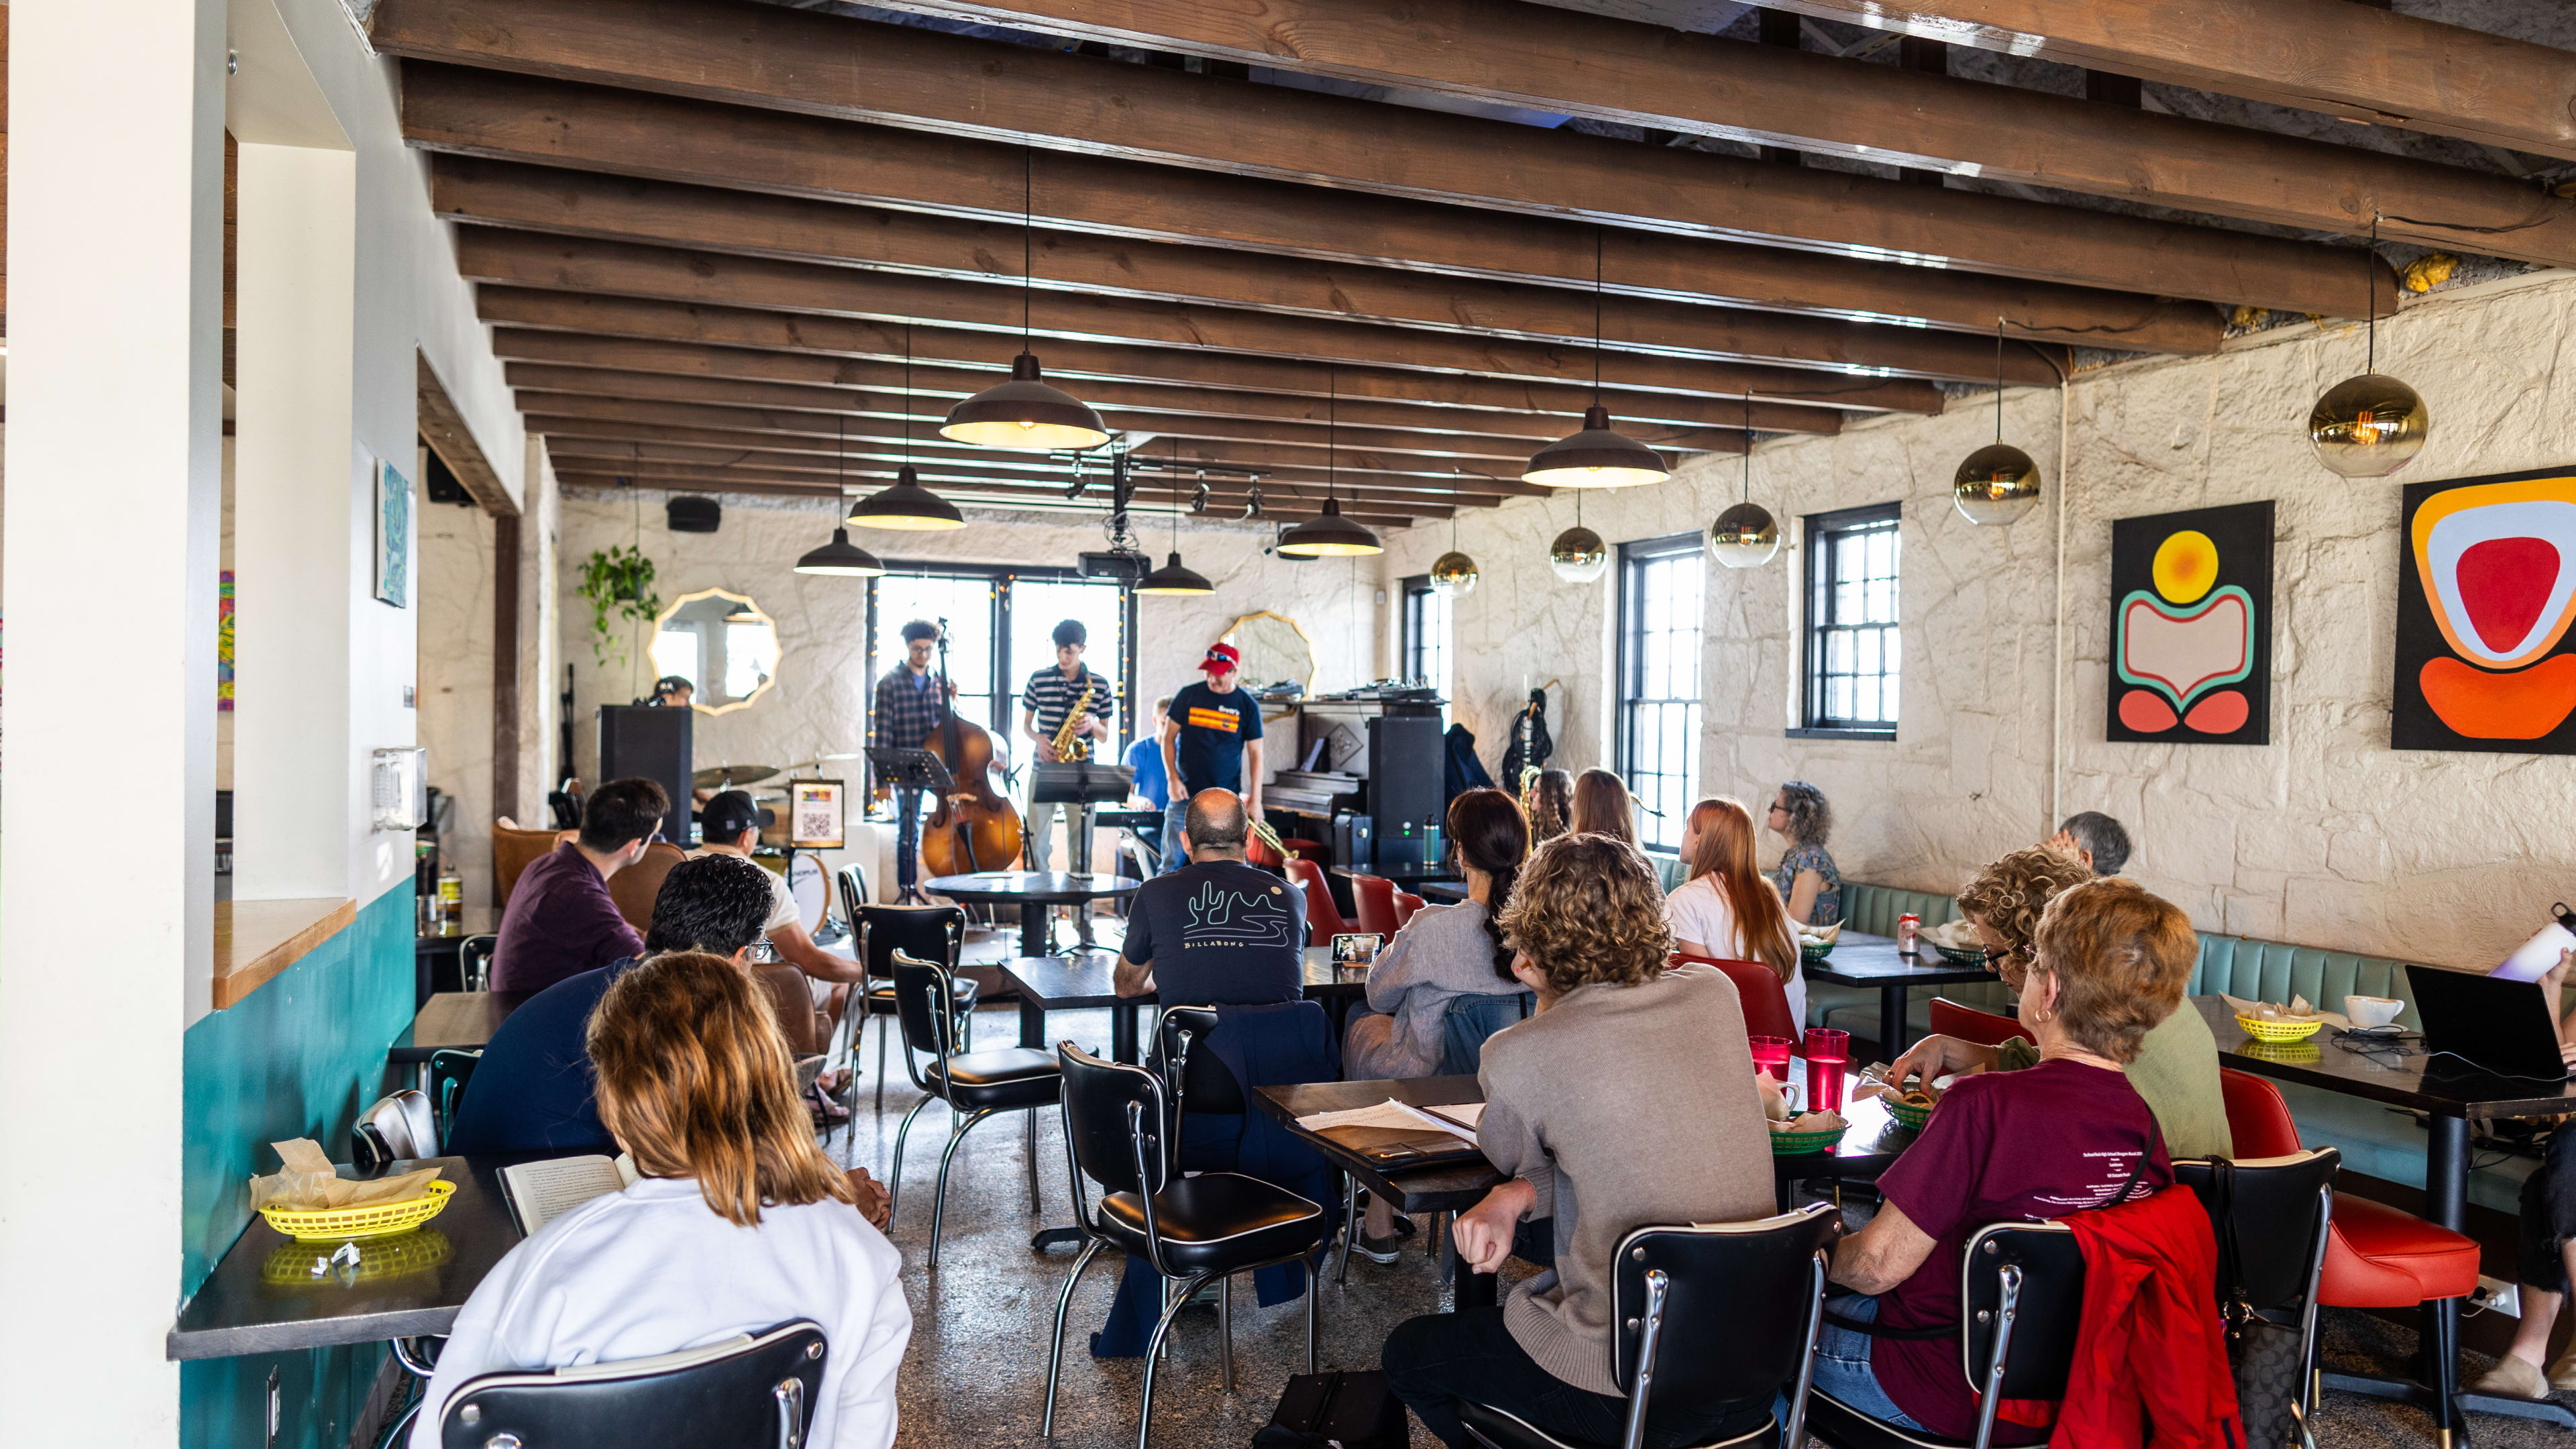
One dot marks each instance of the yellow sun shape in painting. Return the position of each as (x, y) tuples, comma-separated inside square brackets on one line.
[(2186, 566)]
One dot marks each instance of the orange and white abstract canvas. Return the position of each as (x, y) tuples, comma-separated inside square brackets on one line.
[(2486, 589)]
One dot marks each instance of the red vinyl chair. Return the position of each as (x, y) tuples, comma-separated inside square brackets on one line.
[(1374, 895), (1323, 918), (1984, 1028), (1406, 903), (1766, 1001), (2376, 1256)]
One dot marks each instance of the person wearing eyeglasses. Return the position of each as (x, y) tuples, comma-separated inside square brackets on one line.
[(1807, 878), (2176, 1068)]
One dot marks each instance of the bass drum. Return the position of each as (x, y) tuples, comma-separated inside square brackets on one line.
[(811, 886)]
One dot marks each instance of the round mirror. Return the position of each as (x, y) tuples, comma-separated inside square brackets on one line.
[(1275, 651), (722, 644)]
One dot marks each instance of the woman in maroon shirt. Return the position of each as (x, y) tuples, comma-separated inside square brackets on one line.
[(2063, 1136)]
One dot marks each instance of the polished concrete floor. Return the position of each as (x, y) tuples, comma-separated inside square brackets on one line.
[(976, 1372)]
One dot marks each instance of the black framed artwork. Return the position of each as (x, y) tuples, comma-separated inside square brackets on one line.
[(2191, 627), (2486, 588)]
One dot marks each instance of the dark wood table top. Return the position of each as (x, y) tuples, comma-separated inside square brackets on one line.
[(263, 1297), (1404, 875), (1442, 892), (1030, 887), (1865, 960), (475, 921), (2382, 1071), (1054, 983), (461, 1019)]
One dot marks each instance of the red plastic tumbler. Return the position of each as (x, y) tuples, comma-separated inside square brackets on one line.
[(1828, 1053), (1771, 1054)]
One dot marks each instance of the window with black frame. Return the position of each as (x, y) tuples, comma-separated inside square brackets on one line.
[(1426, 633), (1853, 650), (1660, 590)]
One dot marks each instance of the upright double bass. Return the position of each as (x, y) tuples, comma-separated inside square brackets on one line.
[(975, 827)]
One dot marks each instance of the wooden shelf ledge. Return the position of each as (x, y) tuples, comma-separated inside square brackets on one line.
[(255, 940)]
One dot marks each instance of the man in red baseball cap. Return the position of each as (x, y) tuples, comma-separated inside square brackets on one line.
[(1211, 741)]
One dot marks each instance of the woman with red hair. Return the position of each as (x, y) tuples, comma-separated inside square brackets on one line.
[(1727, 909)]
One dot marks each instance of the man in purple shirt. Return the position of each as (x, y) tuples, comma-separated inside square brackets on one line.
[(561, 921)]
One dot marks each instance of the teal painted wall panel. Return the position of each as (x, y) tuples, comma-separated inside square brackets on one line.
[(297, 1058)]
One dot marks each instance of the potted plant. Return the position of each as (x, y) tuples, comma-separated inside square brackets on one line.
[(618, 582)]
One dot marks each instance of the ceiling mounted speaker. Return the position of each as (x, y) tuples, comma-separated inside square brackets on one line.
[(691, 514)]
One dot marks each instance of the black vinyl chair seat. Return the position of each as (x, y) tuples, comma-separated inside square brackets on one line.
[(1496, 1429), (1001, 1077), (1215, 1222), (1845, 1427)]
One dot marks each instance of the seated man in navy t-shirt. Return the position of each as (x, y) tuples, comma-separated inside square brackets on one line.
[(1215, 930), (532, 1090)]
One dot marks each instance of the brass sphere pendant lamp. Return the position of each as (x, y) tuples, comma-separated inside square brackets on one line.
[(1997, 484), (1745, 536), (1578, 555), (2371, 425), (1453, 574)]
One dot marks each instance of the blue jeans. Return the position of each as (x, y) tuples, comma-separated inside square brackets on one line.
[(1842, 1366), (1172, 858)]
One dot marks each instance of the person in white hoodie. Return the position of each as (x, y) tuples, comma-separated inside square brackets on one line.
[(736, 1222)]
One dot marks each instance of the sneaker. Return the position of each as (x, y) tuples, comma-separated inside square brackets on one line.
[(1376, 1249), (1404, 1227), (2512, 1378)]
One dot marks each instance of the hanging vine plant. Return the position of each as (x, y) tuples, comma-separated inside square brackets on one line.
[(618, 582)]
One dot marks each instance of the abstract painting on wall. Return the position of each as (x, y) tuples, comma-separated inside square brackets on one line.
[(2486, 587), (393, 536), (224, 640), (2191, 626)]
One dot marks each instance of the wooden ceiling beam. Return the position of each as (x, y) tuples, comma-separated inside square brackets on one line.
[(865, 339), (792, 228), (464, 112), (1152, 486), (785, 379), (2314, 55), (928, 411), (530, 259), (801, 61), (1512, 53), (966, 496)]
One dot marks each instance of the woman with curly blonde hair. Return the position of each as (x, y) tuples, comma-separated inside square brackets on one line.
[(2176, 1068), (1627, 1099)]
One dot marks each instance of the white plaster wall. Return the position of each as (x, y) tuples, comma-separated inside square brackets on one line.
[(2325, 837), (456, 585)]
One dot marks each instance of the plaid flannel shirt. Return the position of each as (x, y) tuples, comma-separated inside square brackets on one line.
[(905, 716)]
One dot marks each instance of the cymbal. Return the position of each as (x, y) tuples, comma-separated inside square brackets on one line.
[(825, 760), (723, 776)]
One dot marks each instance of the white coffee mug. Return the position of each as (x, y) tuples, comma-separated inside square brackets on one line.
[(2369, 1012)]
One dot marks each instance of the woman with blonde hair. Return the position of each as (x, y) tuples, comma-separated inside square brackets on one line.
[(1725, 908), (1615, 1105), (736, 1221), (1602, 807), (2176, 1067)]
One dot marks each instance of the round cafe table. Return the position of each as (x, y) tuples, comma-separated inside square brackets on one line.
[(1032, 891)]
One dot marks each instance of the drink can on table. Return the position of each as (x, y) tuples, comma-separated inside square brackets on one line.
[(1908, 926)]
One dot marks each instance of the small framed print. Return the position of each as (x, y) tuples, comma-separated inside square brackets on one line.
[(814, 815), (393, 536)]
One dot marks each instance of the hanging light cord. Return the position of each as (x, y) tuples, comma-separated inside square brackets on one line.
[(1596, 314), (1332, 427), (1999, 379), (2370, 280), (1028, 244), (907, 391), (1748, 445)]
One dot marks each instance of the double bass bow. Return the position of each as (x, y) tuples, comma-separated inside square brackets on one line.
[(975, 827)]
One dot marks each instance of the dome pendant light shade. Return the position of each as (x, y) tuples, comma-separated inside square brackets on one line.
[(1173, 578), (1454, 574), (1599, 456), (906, 505), (1996, 485), (841, 559), (1027, 414), (2368, 426), (1329, 535), (1578, 555), (1744, 536)]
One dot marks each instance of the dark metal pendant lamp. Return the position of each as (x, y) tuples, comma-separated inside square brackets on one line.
[(1598, 456), (1026, 413), (1329, 534), (904, 504)]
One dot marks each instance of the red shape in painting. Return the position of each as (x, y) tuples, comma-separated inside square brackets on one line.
[(2223, 713), (2146, 712), (2504, 583)]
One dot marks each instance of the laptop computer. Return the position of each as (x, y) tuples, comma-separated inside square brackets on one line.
[(2487, 1023)]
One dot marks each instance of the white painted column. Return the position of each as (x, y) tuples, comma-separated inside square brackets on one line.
[(297, 478), (112, 509)]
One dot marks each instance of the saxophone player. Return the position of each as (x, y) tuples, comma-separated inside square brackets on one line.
[(1065, 713)]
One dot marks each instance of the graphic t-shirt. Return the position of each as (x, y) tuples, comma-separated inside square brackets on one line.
[(1213, 729), (2002, 1147), (1219, 932)]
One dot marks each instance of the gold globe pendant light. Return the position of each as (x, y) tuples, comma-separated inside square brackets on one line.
[(1173, 578), (1329, 534), (1998, 483), (1598, 455), (1453, 574), (1578, 555), (2372, 425), (904, 505), (1745, 536), (1027, 413)]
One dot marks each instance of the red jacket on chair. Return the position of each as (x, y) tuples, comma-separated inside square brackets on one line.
[(2151, 1358)]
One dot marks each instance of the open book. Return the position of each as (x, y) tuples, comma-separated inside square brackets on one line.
[(540, 1192)]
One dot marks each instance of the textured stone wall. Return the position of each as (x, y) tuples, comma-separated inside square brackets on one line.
[(2325, 837)]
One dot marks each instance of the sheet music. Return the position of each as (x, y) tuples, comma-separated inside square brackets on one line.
[(540, 1192)]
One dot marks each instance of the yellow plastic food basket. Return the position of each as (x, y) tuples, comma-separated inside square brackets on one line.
[(339, 1225), (2262, 1030)]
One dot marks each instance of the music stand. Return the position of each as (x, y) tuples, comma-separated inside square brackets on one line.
[(912, 769), (1079, 782)]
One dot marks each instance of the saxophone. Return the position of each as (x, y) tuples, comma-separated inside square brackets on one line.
[(1069, 746)]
